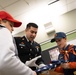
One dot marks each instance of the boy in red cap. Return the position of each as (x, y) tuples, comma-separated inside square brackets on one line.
[(9, 62), (67, 54), (6, 17)]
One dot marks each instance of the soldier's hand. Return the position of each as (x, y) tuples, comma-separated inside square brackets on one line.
[(31, 62), (41, 65)]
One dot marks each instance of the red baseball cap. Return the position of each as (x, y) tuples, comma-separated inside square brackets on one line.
[(7, 16)]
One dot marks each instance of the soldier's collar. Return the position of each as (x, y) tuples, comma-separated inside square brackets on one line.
[(28, 40)]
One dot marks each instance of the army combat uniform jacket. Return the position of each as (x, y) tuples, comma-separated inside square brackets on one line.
[(27, 50)]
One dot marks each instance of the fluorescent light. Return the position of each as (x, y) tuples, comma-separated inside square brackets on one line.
[(53, 1)]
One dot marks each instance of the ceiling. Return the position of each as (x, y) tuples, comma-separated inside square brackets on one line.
[(38, 11)]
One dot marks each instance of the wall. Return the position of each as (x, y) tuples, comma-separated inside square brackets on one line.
[(65, 22), (71, 39)]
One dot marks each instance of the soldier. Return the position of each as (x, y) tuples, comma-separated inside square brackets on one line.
[(9, 62), (29, 51), (67, 54)]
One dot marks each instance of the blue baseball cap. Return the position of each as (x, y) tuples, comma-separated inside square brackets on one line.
[(58, 36)]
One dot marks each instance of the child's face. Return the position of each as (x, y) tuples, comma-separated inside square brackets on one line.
[(61, 42)]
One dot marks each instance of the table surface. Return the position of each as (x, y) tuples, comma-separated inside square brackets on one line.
[(51, 72)]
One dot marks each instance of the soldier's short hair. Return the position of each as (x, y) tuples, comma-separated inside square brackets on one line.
[(31, 25)]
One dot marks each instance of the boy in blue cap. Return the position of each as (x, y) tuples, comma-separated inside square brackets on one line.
[(67, 53)]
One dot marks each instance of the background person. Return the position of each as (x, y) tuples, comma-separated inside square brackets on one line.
[(9, 62)]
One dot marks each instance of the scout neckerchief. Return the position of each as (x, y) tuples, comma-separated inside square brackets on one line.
[(70, 49)]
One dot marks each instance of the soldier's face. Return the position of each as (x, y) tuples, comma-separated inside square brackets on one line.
[(31, 33), (61, 42)]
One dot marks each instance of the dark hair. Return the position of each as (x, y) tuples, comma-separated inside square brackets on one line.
[(31, 25)]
